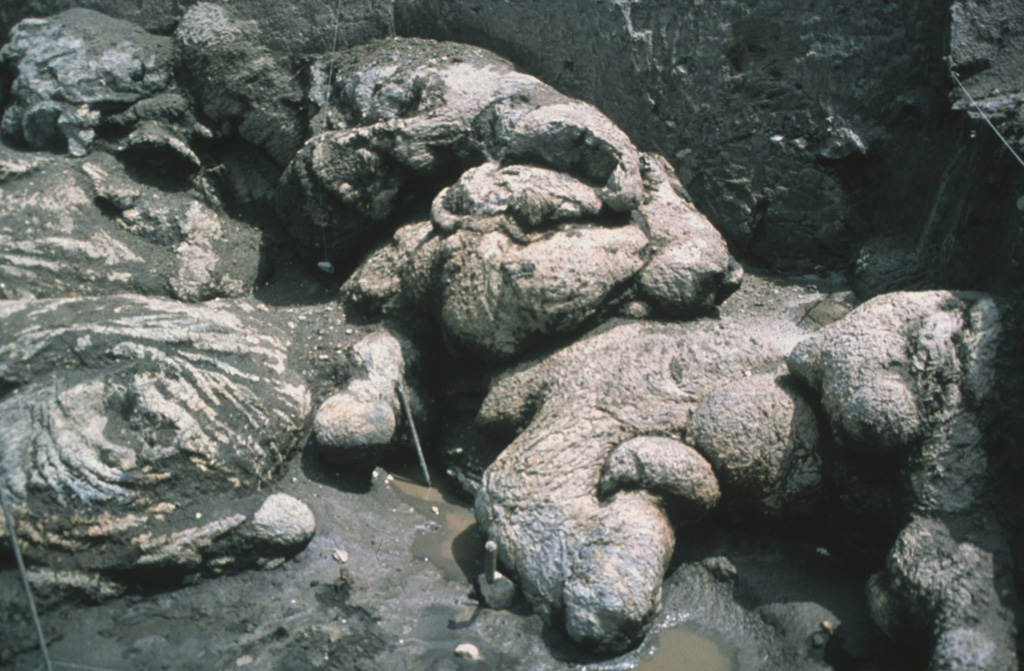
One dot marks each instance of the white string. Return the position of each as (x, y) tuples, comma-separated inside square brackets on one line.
[(986, 117), (326, 264)]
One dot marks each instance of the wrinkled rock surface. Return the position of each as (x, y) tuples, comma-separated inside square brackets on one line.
[(237, 82), (123, 414), (497, 298), (595, 563), (519, 253), (690, 270), (911, 381), (762, 439)]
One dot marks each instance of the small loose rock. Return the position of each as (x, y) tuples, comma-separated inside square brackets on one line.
[(467, 651)]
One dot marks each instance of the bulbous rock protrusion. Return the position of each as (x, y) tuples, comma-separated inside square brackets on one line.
[(359, 422), (761, 437), (666, 467), (582, 502)]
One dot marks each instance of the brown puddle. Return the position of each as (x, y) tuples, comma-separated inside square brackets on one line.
[(683, 649), (453, 544)]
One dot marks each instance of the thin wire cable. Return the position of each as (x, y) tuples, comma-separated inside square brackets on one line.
[(985, 116), (24, 579)]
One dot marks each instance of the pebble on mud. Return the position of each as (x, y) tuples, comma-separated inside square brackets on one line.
[(467, 651)]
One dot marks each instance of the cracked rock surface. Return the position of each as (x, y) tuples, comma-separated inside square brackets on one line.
[(71, 69)]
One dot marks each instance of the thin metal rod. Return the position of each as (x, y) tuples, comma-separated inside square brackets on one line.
[(24, 579), (412, 428), (491, 561)]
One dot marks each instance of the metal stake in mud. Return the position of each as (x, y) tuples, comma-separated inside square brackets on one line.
[(24, 579), (412, 429), (490, 561)]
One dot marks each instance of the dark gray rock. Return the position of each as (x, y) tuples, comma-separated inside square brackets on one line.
[(972, 238), (301, 28), (123, 415), (157, 16), (237, 82), (972, 235), (72, 70), (743, 97), (986, 41), (85, 227), (293, 28), (803, 629), (887, 264), (155, 149), (940, 587)]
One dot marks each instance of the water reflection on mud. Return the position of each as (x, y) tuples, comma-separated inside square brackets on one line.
[(451, 540), (680, 648)]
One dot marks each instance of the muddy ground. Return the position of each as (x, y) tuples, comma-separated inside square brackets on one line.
[(387, 582)]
